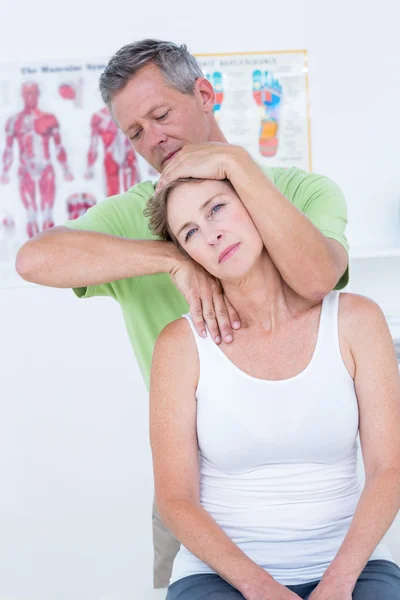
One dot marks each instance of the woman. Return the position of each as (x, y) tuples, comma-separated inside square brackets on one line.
[(255, 443)]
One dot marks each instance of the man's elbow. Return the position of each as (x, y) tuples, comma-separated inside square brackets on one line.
[(35, 257), (322, 286), (333, 269), (27, 262)]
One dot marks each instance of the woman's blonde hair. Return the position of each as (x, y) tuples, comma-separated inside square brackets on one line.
[(156, 210)]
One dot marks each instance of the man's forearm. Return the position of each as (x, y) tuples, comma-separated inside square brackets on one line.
[(298, 249), (376, 510), (63, 257), (202, 536)]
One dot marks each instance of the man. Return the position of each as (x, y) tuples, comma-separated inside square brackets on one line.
[(160, 100)]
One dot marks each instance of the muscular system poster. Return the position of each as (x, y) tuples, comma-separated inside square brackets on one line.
[(61, 152)]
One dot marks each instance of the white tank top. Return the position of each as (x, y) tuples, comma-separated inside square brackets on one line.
[(278, 459)]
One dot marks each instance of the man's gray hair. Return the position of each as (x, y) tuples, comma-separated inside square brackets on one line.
[(179, 67)]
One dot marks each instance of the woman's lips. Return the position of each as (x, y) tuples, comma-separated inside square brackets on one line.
[(228, 252)]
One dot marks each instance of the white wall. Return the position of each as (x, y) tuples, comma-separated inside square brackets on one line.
[(75, 468)]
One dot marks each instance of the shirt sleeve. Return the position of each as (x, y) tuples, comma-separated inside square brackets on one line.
[(121, 216), (326, 207)]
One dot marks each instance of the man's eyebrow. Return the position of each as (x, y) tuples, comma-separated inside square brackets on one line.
[(202, 207), (134, 124)]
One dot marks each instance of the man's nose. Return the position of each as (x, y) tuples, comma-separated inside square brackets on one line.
[(156, 137)]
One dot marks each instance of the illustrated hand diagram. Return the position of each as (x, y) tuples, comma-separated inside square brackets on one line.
[(267, 92), (216, 81)]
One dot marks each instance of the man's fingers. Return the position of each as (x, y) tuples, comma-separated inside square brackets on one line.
[(222, 317), (174, 170), (210, 317), (233, 315), (196, 312)]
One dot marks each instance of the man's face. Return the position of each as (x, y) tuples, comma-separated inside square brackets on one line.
[(160, 120)]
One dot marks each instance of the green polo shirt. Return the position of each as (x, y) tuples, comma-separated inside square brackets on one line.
[(150, 302)]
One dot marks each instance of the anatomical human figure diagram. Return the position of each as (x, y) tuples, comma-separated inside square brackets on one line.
[(120, 162), (34, 129)]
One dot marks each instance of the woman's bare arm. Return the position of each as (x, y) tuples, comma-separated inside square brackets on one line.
[(377, 385)]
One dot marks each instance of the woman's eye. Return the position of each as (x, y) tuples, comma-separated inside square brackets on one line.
[(136, 136), (189, 234), (162, 116), (216, 208)]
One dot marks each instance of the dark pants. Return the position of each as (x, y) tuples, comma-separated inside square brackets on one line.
[(380, 580)]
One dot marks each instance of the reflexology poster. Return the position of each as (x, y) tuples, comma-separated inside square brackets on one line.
[(262, 104)]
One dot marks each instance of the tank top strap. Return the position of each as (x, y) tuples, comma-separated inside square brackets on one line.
[(203, 344), (328, 349), (329, 317)]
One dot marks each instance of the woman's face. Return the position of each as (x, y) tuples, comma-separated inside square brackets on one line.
[(214, 228)]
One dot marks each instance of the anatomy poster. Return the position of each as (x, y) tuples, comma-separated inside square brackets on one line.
[(61, 152)]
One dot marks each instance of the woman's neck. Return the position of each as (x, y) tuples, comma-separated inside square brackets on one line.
[(262, 297)]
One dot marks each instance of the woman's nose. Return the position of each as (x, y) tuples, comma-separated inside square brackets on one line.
[(214, 238)]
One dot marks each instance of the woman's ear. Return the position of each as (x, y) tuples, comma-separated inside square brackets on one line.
[(206, 94)]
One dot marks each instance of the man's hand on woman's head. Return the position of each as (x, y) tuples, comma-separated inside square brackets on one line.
[(212, 160), (207, 302)]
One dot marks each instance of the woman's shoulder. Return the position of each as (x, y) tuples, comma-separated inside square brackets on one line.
[(176, 331), (175, 347), (360, 317), (174, 376), (358, 307)]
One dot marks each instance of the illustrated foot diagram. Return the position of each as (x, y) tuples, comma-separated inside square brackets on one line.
[(267, 92), (216, 81)]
